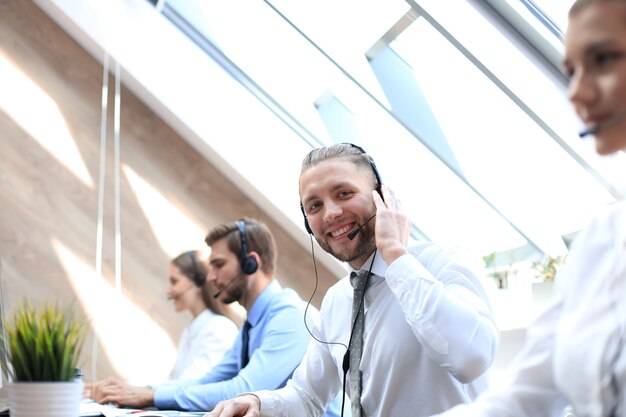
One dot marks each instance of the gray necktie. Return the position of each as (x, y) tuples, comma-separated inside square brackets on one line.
[(358, 281)]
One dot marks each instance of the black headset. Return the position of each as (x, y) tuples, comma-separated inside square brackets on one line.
[(376, 174), (249, 265), (198, 277)]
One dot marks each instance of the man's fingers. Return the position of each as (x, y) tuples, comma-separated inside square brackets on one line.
[(396, 200), (111, 398), (224, 409), (378, 201), (216, 411), (238, 407), (97, 389), (391, 200), (385, 190), (107, 395)]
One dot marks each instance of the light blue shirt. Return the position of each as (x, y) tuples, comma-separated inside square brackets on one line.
[(277, 343)]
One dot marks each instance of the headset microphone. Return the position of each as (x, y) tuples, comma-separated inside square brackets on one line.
[(589, 131), (592, 130), (217, 293), (356, 231)]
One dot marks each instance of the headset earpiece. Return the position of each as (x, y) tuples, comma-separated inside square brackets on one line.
[(249, 264), (306, 221)]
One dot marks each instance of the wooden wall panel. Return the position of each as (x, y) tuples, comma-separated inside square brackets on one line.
[(42, 201)]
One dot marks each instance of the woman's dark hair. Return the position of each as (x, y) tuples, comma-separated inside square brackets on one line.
[(193, 265)]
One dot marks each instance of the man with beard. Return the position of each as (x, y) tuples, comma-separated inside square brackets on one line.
[(270, 345), (421, 325)]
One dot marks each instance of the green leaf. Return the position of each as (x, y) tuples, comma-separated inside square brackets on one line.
[(43, 344)]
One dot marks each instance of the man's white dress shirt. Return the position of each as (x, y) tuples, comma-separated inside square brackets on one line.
[(429, 338)]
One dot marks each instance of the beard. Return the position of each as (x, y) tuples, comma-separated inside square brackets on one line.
[(234, 292), (365, 245)]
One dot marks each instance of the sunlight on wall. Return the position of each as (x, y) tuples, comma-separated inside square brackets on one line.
[(126, 333), (172, 228), (37, 113)]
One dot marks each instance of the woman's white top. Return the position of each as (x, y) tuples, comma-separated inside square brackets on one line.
[(202, 345), (575, 351)]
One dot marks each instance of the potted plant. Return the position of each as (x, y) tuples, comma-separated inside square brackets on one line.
[(39, 355)]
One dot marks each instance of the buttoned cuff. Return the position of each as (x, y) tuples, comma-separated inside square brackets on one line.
[(268, 402)]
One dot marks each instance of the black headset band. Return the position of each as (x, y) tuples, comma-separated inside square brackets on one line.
[(249, 264), (370, 160), (241, 226)]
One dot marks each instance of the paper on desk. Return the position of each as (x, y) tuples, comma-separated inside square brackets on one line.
[(165, 413), (95, 409), (89, 408), (113, 411)]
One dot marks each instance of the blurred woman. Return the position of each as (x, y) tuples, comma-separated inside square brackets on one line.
[(575, 352), (212, 331)]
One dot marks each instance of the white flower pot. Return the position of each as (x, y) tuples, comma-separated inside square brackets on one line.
[(49, 399)]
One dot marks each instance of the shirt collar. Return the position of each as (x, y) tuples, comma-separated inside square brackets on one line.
[(263, 302), (379, 267)]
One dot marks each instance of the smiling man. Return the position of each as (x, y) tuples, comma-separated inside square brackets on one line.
[(421, 335)]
